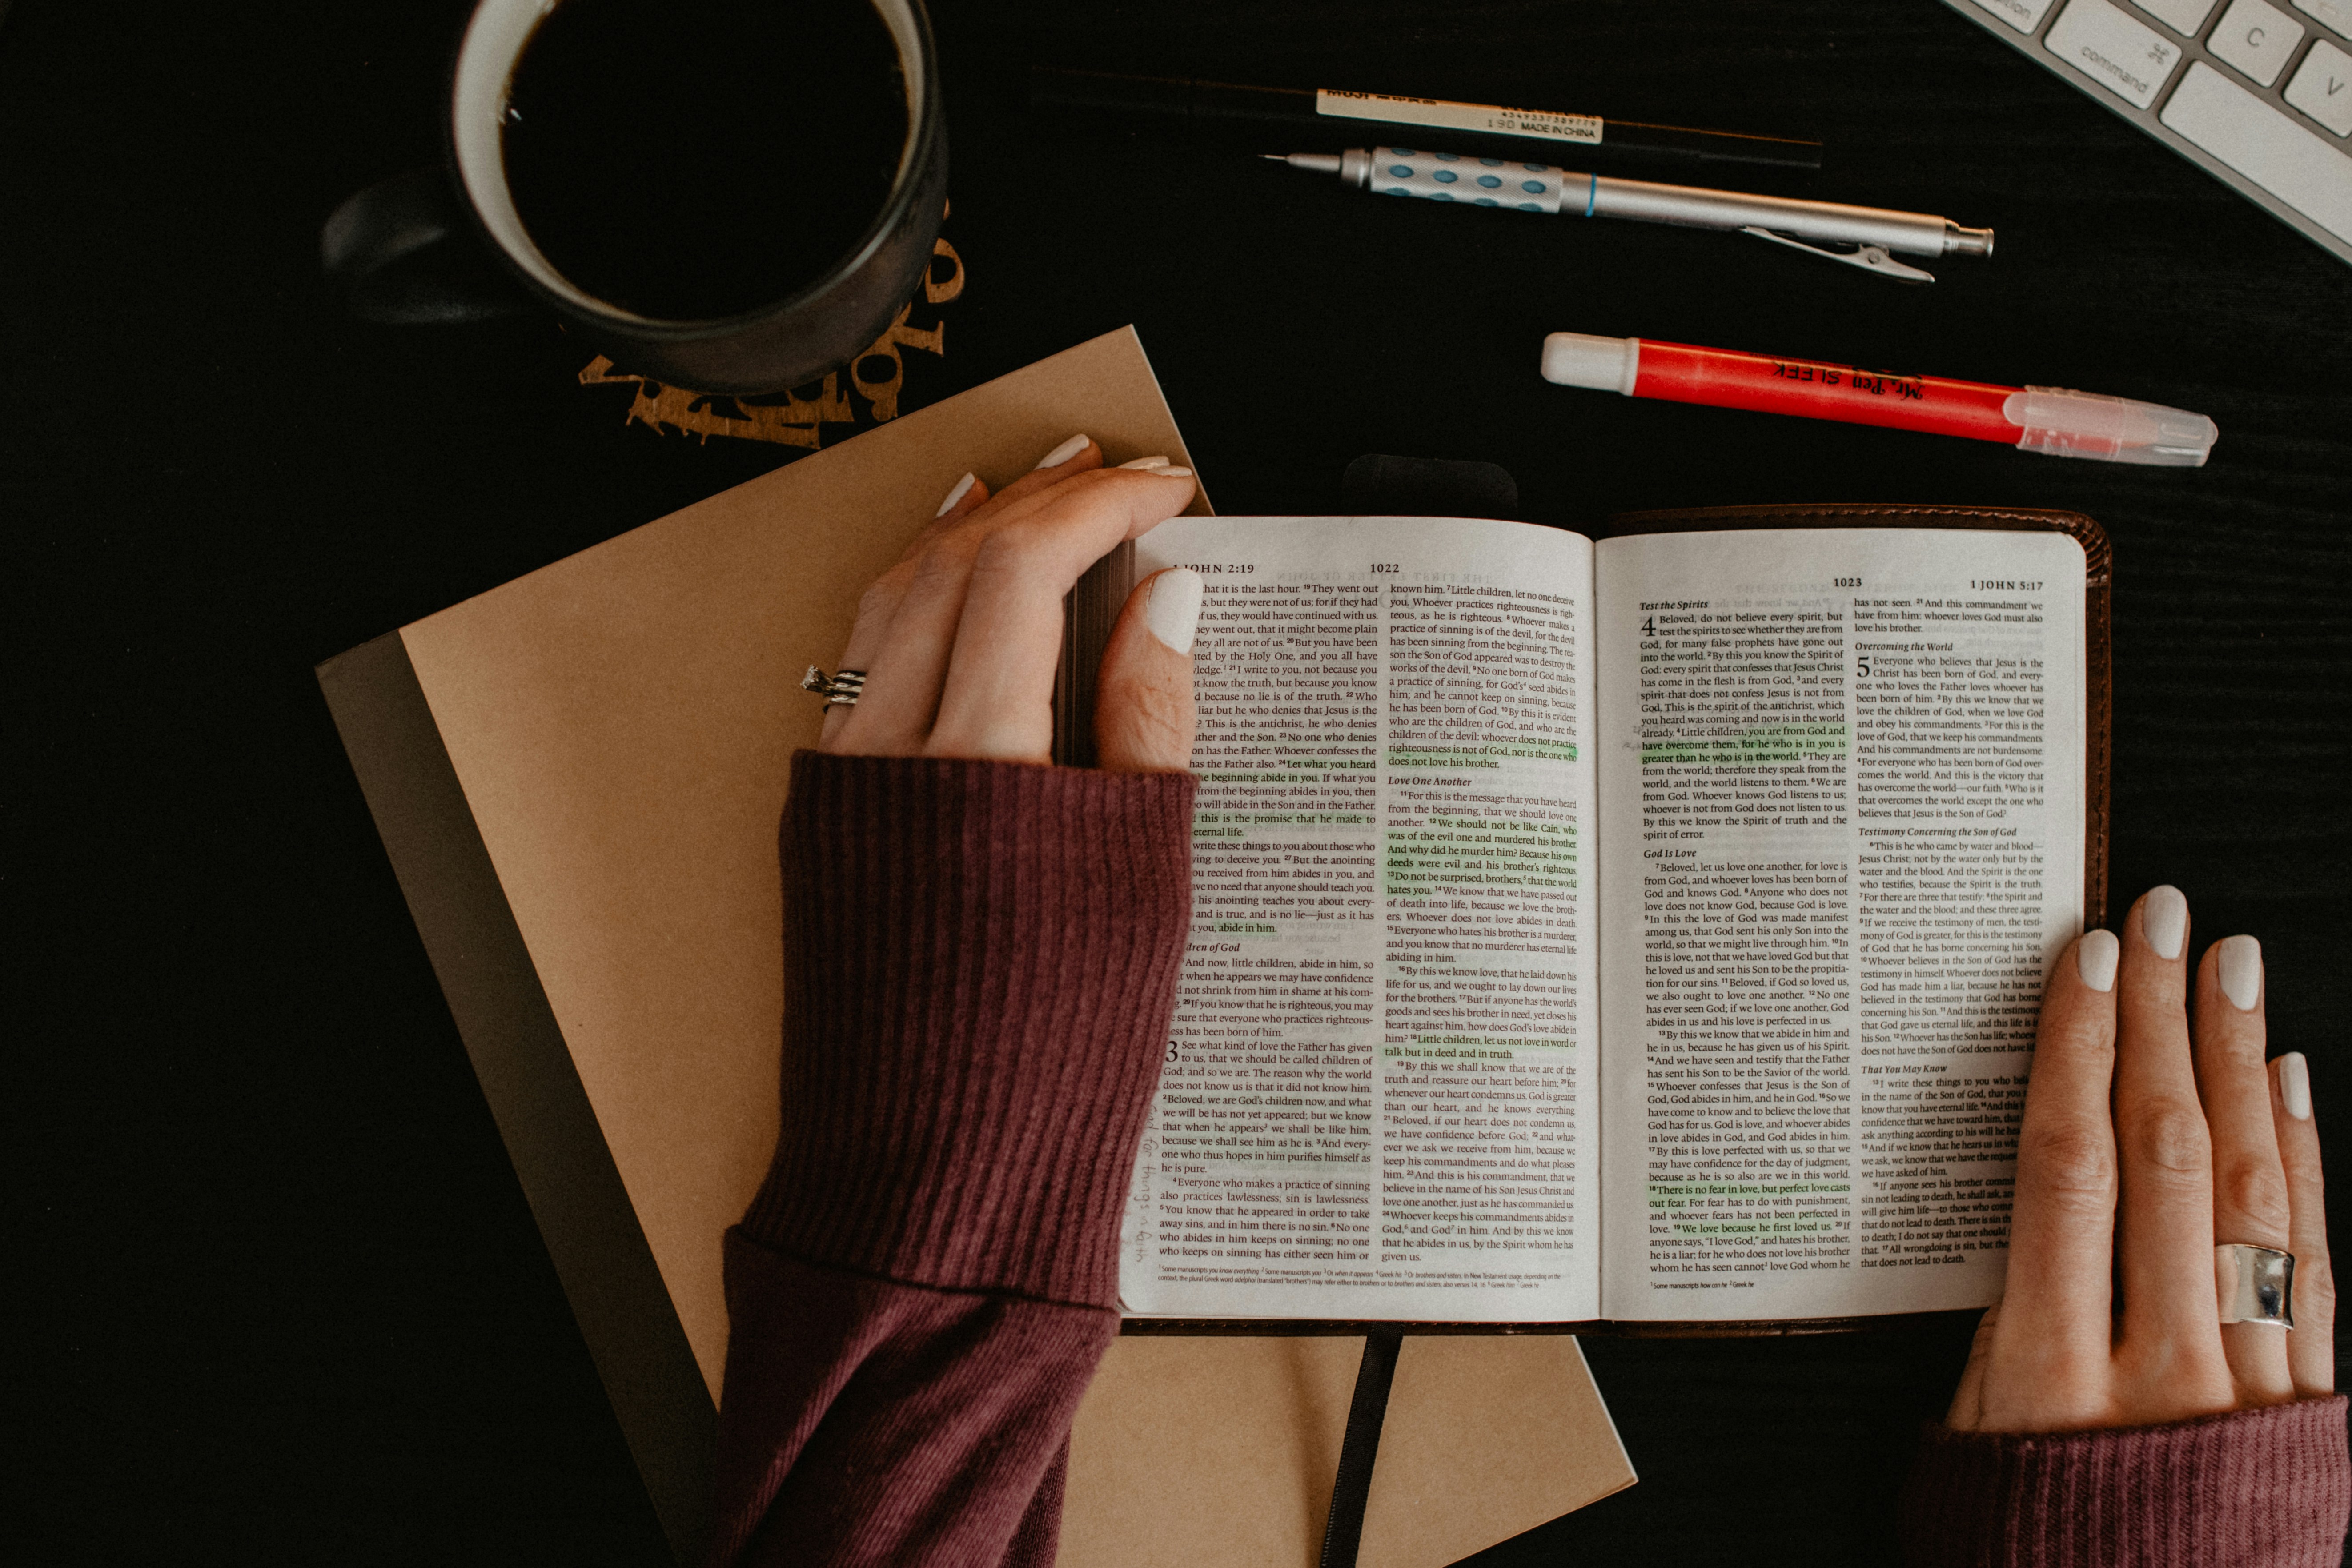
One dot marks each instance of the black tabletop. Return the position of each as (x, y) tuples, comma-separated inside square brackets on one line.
[(286, 1300)]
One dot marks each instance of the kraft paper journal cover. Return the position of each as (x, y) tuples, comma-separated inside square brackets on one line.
[(1219, 1452), (578, 778)]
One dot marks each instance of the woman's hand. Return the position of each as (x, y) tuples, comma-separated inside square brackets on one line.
[(960, 639), (2146, 1141)]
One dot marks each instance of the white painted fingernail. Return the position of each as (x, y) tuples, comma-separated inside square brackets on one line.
[(1173, 611), (1159, 462), (1173, 473), (2294, 1085), (2241, 972), (2164, 920), (962, 489), (2095, 957), (1063, 453)]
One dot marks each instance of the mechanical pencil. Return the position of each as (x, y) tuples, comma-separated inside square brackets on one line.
[(1542, 188), (2046, 419), (1485, 127)]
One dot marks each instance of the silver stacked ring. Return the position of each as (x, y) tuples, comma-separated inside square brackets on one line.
[(839, 690)]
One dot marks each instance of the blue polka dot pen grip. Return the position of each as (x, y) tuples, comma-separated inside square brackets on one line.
[(1469, 181), (1481, 182)]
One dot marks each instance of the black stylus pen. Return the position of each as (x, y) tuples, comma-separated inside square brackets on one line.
[(1474, 127)]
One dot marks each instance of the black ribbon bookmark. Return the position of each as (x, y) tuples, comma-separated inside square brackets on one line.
[(1343, 1531)]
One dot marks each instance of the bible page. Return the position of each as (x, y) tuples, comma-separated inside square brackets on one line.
[(1843, 774), (1377, 1095)]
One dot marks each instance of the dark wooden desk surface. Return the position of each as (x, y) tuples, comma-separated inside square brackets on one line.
[(287, 1303)]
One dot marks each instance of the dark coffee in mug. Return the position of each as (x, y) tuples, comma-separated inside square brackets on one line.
[(689, 160), (731, 195)]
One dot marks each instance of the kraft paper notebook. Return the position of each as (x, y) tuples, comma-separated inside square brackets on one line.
[(578, 777)]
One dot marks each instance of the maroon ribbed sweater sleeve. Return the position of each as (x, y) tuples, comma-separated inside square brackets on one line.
[(2269, 1488), (979, 961)]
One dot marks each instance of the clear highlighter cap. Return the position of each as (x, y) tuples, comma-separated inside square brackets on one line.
[(2062, 424)]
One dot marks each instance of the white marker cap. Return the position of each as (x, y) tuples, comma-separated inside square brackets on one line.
[(2062, 424), (1604, 364)]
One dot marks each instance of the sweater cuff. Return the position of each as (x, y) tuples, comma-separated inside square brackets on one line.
[(2270, 1486), (979, 963)]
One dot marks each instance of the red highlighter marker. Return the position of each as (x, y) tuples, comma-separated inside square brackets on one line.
[(2045, 419)]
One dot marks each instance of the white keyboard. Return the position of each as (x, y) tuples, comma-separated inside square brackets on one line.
[(2257, 93)]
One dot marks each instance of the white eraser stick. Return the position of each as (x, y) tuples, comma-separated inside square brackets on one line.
[(1604, 364)]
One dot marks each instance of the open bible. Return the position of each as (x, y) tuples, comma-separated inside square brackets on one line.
[(1648, 929)]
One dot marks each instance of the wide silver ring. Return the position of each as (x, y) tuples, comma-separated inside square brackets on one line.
[(2255, 1284), (839, 690)]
